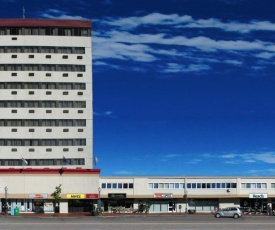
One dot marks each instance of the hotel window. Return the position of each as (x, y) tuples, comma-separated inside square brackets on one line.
[(272, 185), (31, 56), (14, 92), (13, 56), (13, 74), (14, 150), (31, 130)]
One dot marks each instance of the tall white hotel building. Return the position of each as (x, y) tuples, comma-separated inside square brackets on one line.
[(46, 113)]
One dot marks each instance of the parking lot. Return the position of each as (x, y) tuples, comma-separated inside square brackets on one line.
[(175, 222)]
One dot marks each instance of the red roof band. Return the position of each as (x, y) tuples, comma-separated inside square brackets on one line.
[(64, 23), (48, 171)]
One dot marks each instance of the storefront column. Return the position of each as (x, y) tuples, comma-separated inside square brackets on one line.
[(63, 207)]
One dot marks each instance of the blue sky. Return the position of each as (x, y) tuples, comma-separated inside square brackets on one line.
[(181, 87)]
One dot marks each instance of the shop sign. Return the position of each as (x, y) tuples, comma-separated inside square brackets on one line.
[(75, 196), (258, 195), (117, 195), (92, 196), (38, 195), (163, 195)]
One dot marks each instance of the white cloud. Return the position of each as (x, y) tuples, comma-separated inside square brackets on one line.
[(123, 172), (175, 68), (186, 21), (265, 157), (59, 14)]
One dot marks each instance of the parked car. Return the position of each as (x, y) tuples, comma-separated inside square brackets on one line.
[(234, 212)]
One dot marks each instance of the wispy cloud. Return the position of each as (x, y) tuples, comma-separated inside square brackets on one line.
[(264, 157), (160, 40), (168, 157), (104, 114), (123, 172), (59, 14)]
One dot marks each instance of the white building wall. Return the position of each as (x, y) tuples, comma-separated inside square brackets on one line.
[(41, 94)]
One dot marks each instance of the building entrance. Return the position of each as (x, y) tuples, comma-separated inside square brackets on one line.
[(253, 206)]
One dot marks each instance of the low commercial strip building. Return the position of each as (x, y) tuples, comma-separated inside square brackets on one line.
[(30, 190)]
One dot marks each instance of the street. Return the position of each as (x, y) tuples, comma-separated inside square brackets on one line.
[(179, 222)]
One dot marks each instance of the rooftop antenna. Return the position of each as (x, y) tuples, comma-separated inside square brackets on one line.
[(23, 12)]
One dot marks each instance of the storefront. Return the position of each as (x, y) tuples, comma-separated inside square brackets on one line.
[(81, 202), (255, 203)]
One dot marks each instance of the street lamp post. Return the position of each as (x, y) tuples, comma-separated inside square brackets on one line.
[(6, 198), (99, 201), (185, 195)]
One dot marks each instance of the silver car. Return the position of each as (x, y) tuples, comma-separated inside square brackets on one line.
[(234, 212)]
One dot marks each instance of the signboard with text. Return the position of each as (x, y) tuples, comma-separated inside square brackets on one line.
[(92, 196), (163, 195), (38, 195), (258, 195), (75, 196)]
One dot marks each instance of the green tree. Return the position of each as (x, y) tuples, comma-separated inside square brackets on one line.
[(56, 196)]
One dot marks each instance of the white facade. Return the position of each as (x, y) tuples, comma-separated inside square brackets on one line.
[(46, 93)]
